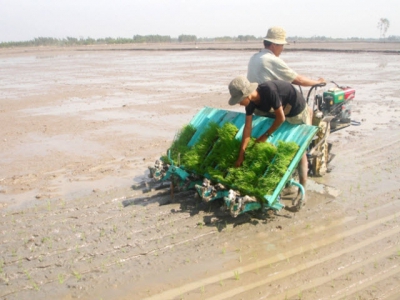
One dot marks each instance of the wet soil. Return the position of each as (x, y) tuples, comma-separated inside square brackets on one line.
[(79, 128)]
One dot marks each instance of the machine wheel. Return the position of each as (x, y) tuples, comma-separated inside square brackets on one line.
[(319, 164), (345, 120)]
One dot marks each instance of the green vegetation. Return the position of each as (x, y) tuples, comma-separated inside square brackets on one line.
[(194, 159), (216, 150), (237, 275), (187, 38), (180, 143), (263, 168), (150, 39), (239, 38), (71, 41), (285, 153), (383, 26), (61, 278), (77, 275), (224, 153)]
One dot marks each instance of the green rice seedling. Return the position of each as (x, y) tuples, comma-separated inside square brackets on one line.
[(216, 150), (278, 167), (61, 278), (35, 286), (77, 275), (257, 159), (180, 144), (224, 152), (242, 179), (27, 274), (262, 169), (193, 159), (259, 156), (237, 275), (14, 252), (300, 295)]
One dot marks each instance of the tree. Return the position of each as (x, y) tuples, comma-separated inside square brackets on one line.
[(383, 26), (187, 38), (245, 38)]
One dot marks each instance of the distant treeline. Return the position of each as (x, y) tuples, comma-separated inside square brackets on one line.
[(71, 41)]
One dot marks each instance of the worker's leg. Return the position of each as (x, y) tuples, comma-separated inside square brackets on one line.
[(303, 118), (300, 200), (303, 170), (311, 114), (303, 165)]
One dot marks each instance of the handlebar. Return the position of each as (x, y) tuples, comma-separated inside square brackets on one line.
[(339, 86), (320, 84), (314, 87)]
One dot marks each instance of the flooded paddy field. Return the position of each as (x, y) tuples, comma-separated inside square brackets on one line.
[(79, 128)]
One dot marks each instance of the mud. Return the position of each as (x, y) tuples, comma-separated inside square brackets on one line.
[(79, 127)]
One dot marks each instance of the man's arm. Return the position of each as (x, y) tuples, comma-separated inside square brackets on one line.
[(304, 81), (245, 140), (279, 119)]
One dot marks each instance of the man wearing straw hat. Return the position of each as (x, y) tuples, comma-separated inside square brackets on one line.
[(266, 64)]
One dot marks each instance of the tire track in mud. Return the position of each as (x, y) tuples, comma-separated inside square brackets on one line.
[(378, 150), (373, 168), (371, 157), (314, 283), (372, 280), (37, 251), (250, 288), (373, 264), (107, 234), (124, 252)]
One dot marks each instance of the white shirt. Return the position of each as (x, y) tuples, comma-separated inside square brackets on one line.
[(264, 66)]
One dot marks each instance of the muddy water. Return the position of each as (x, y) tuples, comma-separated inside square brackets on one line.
[(80, 128)]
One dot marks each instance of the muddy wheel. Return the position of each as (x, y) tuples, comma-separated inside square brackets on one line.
[(345, 120)]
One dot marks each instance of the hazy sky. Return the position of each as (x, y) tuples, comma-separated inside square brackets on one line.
[(22, 20)]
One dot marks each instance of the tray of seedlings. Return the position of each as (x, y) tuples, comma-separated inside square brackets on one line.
[(203, 153)]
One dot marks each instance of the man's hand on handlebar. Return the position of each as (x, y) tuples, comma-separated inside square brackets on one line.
[(321, 82)]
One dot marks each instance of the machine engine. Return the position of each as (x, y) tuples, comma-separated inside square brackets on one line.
[(336, 102)]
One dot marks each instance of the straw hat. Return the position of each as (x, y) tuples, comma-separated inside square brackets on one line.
[(276, 35), (240, 88)]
